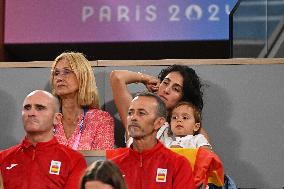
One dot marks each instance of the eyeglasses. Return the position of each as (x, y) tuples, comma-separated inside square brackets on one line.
[(64, 72)]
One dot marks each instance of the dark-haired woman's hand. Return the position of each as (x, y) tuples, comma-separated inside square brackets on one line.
[(152, 83)]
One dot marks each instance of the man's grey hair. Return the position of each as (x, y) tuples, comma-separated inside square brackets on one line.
[(161, 110)]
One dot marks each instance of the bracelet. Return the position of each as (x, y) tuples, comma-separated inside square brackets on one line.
[(141, 78)]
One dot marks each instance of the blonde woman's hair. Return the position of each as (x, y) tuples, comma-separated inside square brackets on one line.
[(88, 93)]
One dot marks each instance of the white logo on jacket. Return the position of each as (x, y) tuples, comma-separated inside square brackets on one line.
[(11, 166)]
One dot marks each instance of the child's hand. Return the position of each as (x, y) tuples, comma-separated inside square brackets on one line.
[(176, 146)]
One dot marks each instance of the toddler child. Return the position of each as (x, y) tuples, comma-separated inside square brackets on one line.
[(185, 123)]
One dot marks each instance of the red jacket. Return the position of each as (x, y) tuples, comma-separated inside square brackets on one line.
[(46, 165), (157, 168)]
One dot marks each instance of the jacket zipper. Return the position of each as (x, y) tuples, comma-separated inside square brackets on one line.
[(141, 161), (141, 170), (33, 157)]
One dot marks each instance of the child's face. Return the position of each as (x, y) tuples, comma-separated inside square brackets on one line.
[(183, 122)]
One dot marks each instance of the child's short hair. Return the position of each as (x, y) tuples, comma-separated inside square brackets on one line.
[(196, 113)]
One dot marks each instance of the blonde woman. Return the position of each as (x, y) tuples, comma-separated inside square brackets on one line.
[(82, 125)]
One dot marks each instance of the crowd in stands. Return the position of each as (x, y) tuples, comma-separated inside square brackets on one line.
[(57, 124)]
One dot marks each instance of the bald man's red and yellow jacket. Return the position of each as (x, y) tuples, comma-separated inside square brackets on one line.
[(46, 165)]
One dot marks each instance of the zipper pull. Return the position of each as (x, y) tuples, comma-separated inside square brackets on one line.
[(141, 161), (33, 158)]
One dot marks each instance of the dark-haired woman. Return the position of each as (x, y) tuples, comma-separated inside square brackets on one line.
[(174, 84)]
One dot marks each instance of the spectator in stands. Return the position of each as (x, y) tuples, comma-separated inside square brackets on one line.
[(174, 83), (40, 161), (185, 126), (82, 126), (103, 175), (148, 163)]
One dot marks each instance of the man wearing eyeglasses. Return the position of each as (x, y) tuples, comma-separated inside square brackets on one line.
[(40, 161)]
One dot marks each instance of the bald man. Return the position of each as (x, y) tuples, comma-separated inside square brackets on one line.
[(40, 161)]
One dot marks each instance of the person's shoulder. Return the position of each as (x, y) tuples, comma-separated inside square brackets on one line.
[(199, 136), (121, 157), (200, 140), (9, 151)]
